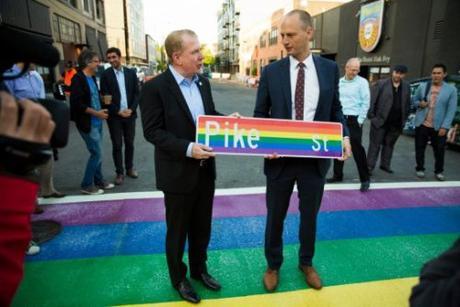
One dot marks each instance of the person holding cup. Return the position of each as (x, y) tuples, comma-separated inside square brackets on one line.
[(88, 113), (120, 91)]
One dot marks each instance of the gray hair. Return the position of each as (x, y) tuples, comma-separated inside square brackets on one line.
[(353, 60), (304, 17), (174, 42), (86, 57)]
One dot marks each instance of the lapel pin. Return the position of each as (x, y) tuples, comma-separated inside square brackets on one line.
[(200, 84)]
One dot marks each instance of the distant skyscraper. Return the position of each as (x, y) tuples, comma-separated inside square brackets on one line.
[(125, 29)]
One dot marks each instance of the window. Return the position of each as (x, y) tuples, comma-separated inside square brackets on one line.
[(71, 2), (66, 30), (273, 39), (86, 6), (100, 10), (262, 41)]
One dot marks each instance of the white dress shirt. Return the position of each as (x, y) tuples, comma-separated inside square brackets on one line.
[(120, 75), (311, 95)]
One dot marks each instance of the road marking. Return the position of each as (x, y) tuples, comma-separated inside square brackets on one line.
[(246, 191), (393, 292)]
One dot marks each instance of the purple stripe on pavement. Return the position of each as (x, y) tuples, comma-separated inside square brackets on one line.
[(145, 210)]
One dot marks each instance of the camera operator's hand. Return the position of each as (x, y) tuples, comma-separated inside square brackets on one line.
[(36, 124)]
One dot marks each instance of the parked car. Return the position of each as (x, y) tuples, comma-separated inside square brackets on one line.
[(409, 128)]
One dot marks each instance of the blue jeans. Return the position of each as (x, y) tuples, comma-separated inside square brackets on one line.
[(93, 173)]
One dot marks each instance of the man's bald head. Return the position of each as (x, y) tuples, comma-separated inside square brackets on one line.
[(304, 18)]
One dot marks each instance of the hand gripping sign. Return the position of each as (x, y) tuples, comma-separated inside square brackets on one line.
[(260, 137)]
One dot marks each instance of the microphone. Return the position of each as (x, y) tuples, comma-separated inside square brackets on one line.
[(23, 47)]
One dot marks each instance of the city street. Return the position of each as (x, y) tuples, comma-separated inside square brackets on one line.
[(232, 171)]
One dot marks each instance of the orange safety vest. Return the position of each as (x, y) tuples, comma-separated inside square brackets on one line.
[(68, 75)]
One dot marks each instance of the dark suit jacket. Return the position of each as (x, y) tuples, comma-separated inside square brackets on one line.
[(169, 125), (109, 86), (382, 101), (80, 100), (439, 283), (274, 101)]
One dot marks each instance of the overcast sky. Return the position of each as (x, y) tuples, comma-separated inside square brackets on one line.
[(163, 16)]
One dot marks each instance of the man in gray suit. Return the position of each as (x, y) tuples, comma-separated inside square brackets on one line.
[(390, 103)]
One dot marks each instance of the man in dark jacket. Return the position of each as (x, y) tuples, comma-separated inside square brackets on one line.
[(439, 281), (88, 115), (390, 103), (185, 170), (120, 89)]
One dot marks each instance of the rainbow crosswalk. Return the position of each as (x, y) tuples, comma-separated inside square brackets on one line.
[(370, 248)]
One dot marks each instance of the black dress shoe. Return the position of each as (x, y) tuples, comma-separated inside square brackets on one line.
[(187, 292), (365, 185), (334, 180), (208, 281), (386, 169), (54, 195)]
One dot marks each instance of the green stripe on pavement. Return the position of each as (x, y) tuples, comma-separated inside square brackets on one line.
[(144, 279)]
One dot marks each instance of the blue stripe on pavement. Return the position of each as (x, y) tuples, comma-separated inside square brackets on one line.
[(228, 233)]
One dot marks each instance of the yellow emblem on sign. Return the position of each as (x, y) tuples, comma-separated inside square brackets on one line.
[(370, 25)]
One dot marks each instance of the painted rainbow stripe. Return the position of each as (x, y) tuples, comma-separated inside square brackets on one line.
[(258, 137), (111, 250)]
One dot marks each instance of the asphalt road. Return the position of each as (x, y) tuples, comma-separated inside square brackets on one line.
[(233, 171)]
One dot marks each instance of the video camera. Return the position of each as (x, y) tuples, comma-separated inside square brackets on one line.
[(18, 156), (22, 47)]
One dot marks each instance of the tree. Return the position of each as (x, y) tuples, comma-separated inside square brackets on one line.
[(208, 57), (162, 63)]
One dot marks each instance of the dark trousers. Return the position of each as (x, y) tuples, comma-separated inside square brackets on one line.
[(310, 184), (422, 136), (122, 130), (382, 139), (359, 154), (188, 217)]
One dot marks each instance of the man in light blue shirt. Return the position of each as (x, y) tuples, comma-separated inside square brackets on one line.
[(191, 92), (355, 99), (30, 85)]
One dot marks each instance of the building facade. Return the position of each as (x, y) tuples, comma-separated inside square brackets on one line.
[(228, 35), (125, 29), (417, 33), (151, 48), (265, 46)]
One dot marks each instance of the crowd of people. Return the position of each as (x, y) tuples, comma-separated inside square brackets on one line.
[(185, 170), (387, 105)]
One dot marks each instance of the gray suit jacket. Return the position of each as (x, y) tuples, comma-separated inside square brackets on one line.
[(382, 101)]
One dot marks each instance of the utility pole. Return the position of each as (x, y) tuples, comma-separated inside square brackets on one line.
[(125, 17)]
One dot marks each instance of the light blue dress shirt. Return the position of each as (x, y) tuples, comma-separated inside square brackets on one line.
[(355, 97), (192, 95), (120, 74), (30, 85)]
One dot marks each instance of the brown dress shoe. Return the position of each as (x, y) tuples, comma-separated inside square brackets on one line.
[(132, 173), (271, 278), (311, 276), (119, 179)]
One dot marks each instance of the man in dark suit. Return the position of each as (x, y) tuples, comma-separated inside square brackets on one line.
[(390, 104), (185, 171), (120, 83), (299, 87)]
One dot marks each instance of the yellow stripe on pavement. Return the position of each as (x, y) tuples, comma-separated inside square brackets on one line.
[(394, 293)]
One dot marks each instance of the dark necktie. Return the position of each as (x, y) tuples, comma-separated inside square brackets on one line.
[(300, 92)]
